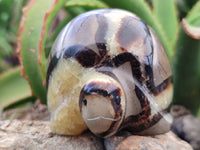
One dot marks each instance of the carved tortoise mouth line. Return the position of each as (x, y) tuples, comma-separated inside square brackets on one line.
[(101, 117)]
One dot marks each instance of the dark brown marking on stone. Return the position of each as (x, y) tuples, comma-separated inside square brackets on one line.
[(135, 64), (85, 56), (102, 88), (161, 87), (53, 63), (136, 121), (148, 123), (101, 33), (106, 62), (142, 121), (142, 98), (150, 77)]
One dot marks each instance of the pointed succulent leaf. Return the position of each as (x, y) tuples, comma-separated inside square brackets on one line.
[(13, 87), (165, 12)]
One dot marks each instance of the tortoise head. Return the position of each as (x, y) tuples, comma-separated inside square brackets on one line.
[(102, 105)]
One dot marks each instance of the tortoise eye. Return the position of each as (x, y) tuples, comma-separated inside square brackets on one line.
[(84, 100), (117, 100)]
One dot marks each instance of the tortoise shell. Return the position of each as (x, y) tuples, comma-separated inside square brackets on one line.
[(108, 71)]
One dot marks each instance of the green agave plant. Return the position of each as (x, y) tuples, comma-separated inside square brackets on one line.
[(177, 23)]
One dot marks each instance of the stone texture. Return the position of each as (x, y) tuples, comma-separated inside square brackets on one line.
[(186, 126), (35, 135), (167, 141), (112, 142), (36, 111), (30, 131)]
